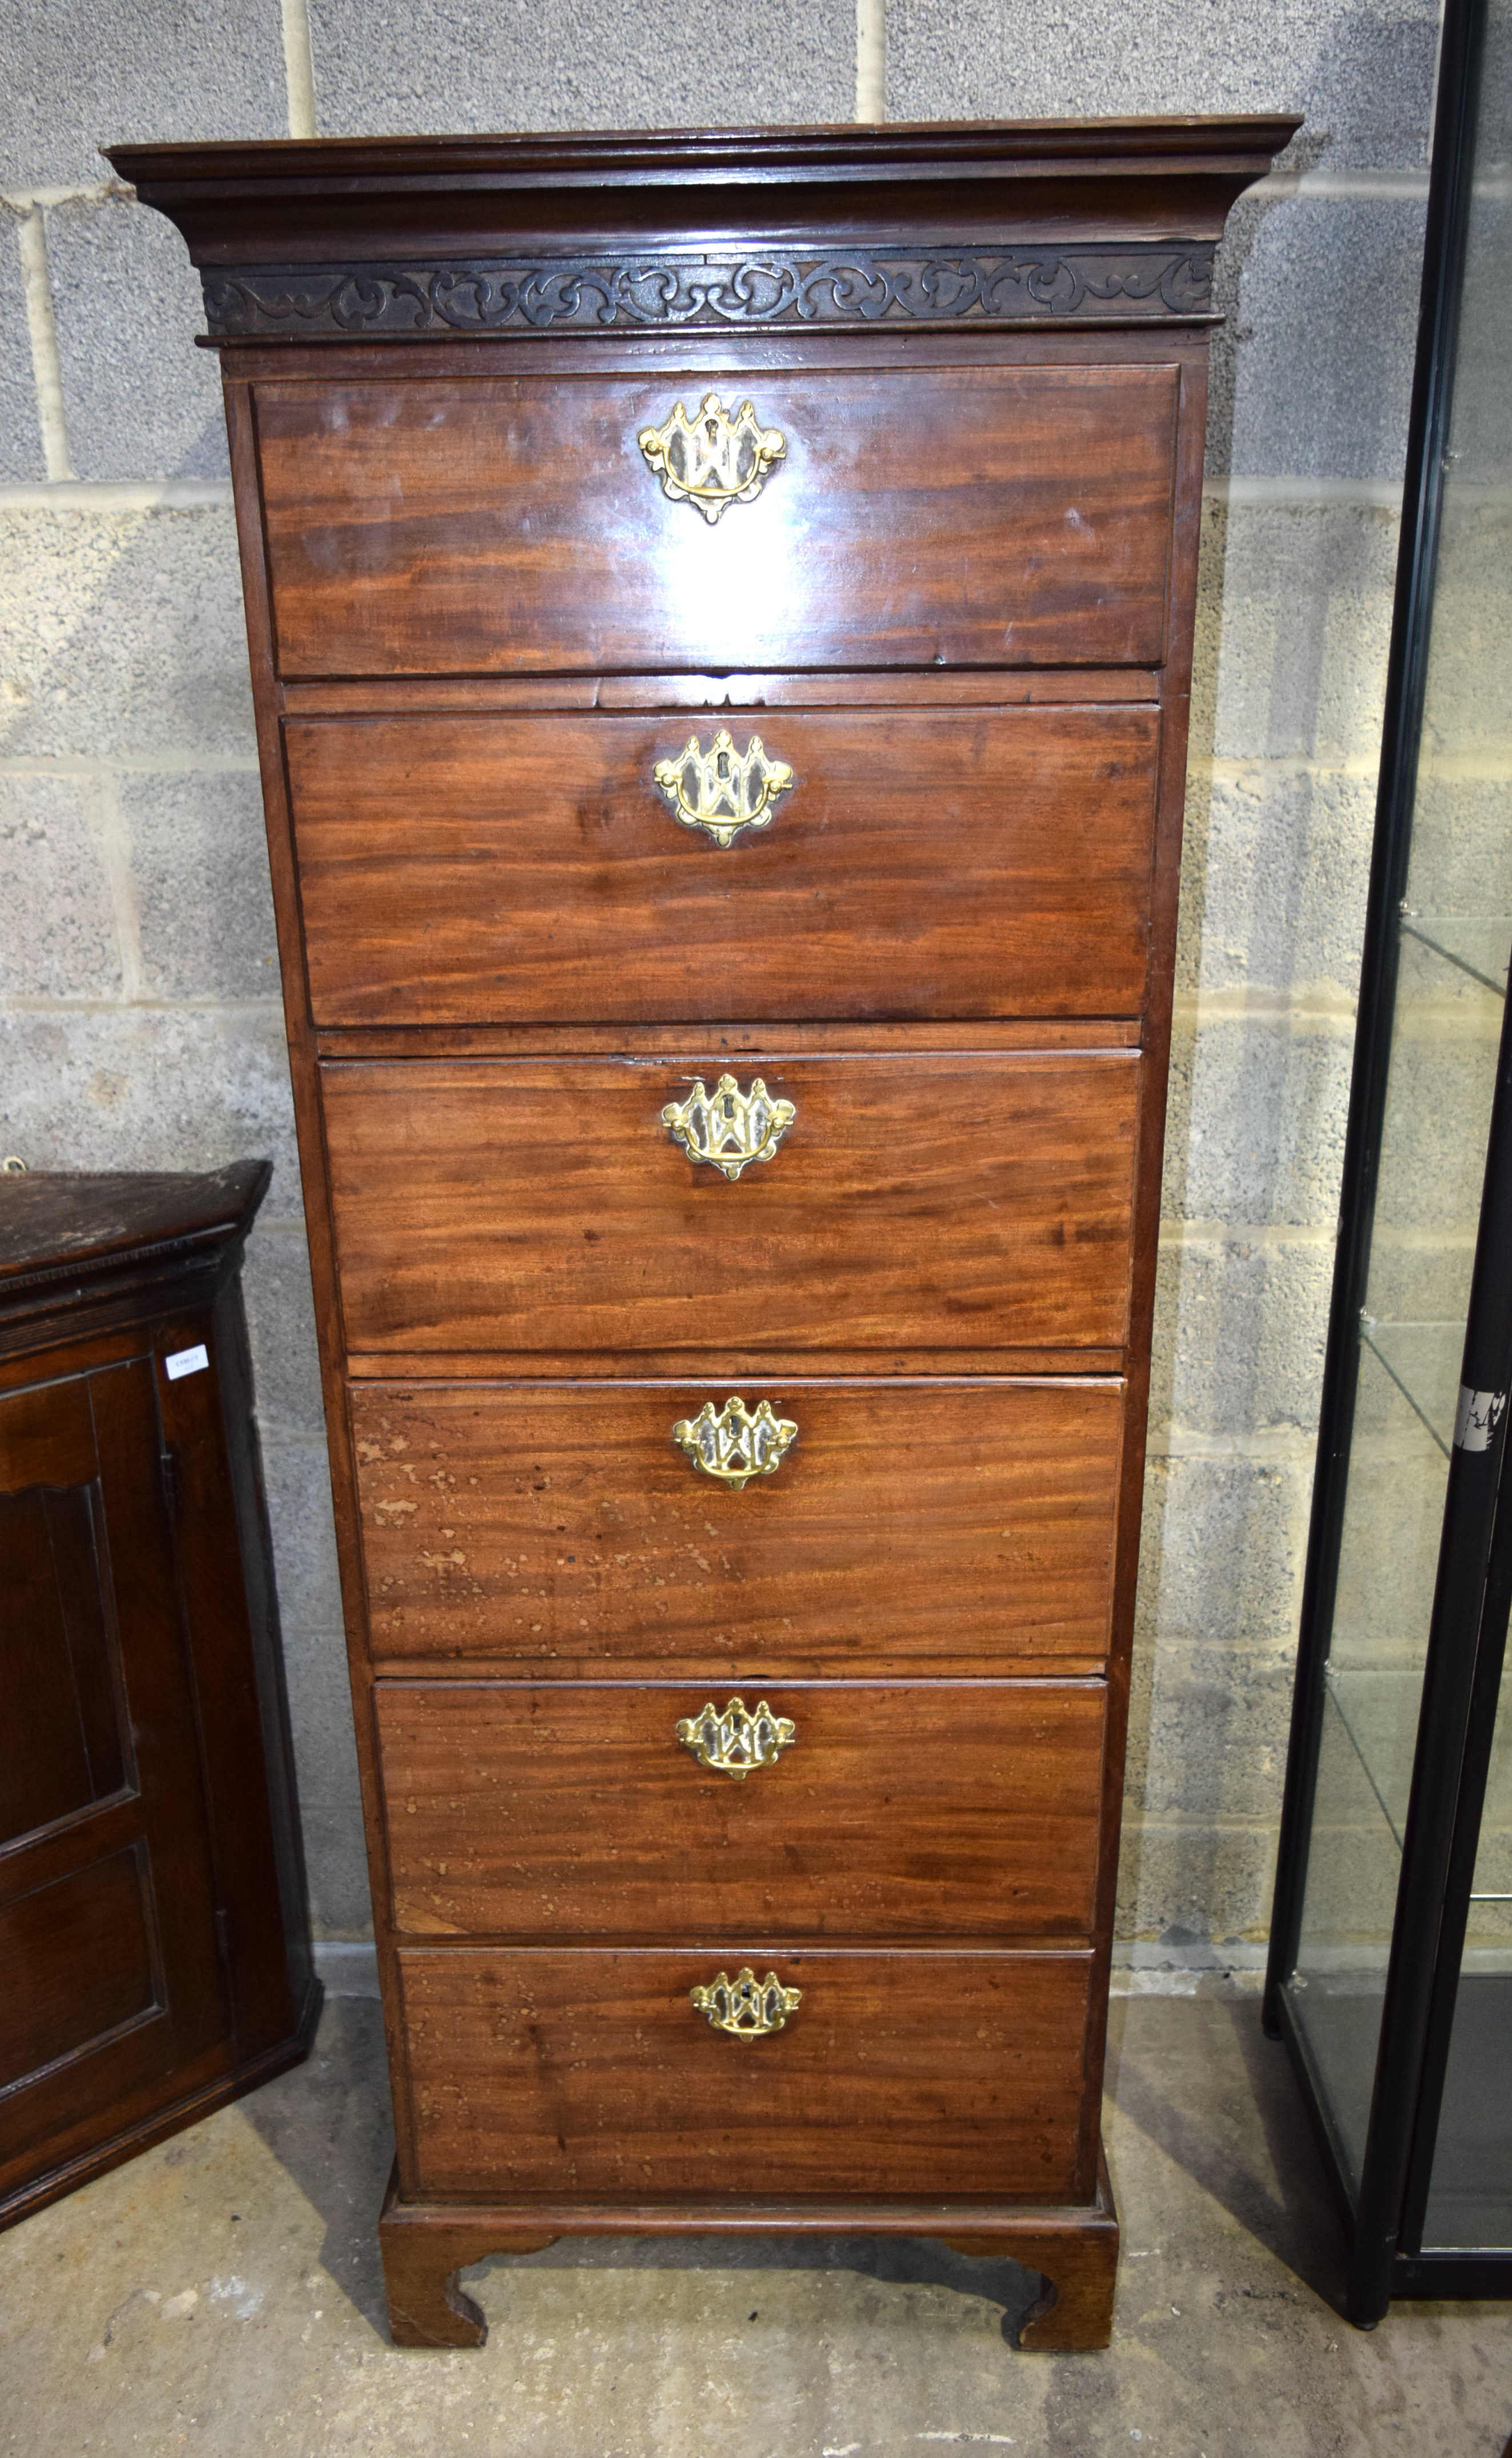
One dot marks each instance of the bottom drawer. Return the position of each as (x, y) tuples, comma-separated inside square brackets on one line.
[(586, 2072)]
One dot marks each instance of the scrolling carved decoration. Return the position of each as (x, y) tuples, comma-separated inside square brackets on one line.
[(1023, 285)]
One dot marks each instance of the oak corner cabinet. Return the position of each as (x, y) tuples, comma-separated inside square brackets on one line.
[(721, 615), (153, 1932)]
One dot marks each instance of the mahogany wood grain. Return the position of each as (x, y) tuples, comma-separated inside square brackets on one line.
[(981, 515), (929, 1201), (912, 1526), (312, 202), (562, 2070), (85, 1943), (425, 2245), (476, 871), (770, 1364), (941, 1810), (61, 1743), (1077, 2253)]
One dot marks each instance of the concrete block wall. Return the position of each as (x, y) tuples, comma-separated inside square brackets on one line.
[(139, 1023)]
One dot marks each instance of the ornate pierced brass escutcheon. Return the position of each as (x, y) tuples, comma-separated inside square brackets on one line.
[(745, 2007), (723, 790), (714, 459), (734, 1445), (729, 1129), (738, 1741)]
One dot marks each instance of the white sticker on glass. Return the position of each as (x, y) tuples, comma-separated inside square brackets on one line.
[(187, 1361)]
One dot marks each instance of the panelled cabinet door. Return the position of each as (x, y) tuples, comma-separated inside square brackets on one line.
[(108, 1935)]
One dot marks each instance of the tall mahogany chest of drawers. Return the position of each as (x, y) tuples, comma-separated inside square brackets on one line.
[(721, 617)]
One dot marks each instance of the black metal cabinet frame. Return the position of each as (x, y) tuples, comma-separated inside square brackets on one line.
[(1385, 2188)]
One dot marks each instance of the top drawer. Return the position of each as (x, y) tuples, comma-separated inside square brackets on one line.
[(984, 515)]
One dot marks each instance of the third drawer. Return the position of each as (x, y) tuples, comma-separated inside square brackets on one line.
[(950, 1525), (941, 1201), (967, 1809)]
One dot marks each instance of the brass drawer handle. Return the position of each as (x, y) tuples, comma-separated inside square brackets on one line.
[(723, 790), (729, 1129), (714, 459), (745, 2007), (737, 1741), (734, 1445)]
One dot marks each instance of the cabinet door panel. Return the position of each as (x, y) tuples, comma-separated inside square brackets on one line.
[(107, 1908)]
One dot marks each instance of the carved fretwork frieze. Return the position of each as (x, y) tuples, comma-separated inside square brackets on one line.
[(1029, 285)]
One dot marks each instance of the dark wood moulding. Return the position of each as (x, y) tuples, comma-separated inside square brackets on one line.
[(1139, 204)]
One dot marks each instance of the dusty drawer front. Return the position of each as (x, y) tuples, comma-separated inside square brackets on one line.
[(544, 1204), (989, 515), (909, 1525), (589, 2072), (959, 1809), (968, 862)]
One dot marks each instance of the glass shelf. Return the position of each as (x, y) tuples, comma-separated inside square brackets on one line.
[(1423, 1360), (1477, 944), (1377, 1714)]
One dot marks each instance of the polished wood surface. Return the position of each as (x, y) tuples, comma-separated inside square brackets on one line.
[(931, 1201), (917, 1525), (484, 869), (153, 1929), (991, 688), (558, 2070), (961, 516), (899, 1813)]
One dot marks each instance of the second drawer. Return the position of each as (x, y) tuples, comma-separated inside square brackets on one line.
[(529, 867), (957, 1810)]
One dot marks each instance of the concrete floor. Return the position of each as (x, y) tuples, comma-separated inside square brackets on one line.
[(221, 2294)]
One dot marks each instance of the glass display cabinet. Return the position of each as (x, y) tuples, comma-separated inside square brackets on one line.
[(1391, 1962)]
